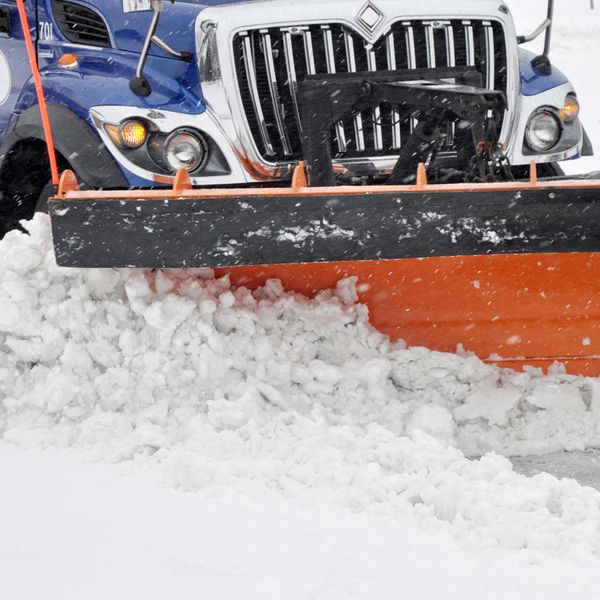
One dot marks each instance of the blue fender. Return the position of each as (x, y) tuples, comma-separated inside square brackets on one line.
[(532, 81)]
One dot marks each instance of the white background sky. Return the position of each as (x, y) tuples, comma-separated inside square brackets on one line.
[(576, 51)]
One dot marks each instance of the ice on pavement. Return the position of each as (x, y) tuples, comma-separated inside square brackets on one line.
[(583, 466), (219, 388)]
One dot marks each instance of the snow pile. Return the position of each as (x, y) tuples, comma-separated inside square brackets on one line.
[(220, 387)]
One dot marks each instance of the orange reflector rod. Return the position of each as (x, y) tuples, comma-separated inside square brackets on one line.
[(299, 179), (68, 183), (39, 91), (422, 176), (182, 181), (533, 173)]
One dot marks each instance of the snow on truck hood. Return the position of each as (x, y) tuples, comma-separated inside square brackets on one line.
[(221, 388)]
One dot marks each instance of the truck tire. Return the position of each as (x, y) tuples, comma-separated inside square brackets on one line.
[(24, 164), (41, 205), (47, 192)]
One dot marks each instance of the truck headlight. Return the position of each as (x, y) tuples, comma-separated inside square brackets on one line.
[(543, 131), (185, 150)]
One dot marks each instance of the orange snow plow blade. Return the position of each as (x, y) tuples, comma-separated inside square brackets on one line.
[(509, 271), (513, 310)]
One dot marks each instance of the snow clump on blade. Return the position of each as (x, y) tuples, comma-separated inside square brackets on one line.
[(215, 386)]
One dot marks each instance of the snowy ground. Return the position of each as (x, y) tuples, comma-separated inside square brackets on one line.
[(73, 530), (168, 437), (320, 461)]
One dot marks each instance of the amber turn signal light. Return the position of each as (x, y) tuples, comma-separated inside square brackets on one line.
[(68, 61), (130, 134), (133, 133), (570, 111)]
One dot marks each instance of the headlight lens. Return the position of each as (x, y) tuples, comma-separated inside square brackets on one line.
[(570, 111), (543, 131), (184, 150), (133, 133)]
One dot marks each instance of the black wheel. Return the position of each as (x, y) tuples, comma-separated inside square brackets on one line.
[(48, 191), (15, 208), (24, 184)]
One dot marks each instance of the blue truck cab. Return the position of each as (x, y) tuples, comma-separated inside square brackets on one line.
[(217, 92)]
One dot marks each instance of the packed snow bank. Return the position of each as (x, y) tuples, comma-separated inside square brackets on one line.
[(223, 388)]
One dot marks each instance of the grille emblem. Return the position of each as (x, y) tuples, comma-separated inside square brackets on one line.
[(370, 16)]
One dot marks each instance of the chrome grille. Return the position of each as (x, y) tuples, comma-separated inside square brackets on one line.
[(270, 62)]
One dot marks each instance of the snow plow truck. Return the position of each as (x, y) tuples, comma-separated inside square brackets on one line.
[(413, 146)]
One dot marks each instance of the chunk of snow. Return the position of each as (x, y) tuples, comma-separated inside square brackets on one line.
[(489, 403)]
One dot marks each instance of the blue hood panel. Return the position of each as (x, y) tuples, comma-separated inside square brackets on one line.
[(176, 27), (533, 82), (129, 30)]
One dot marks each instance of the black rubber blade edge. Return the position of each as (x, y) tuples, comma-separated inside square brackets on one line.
[(217, 231)]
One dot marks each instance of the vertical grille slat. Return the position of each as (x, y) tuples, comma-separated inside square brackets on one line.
[(278, 110), (411, 53), (250, 68), (359, 137), (376, 113), (331, 68), (489, 54), (290, 65), (309, 53), (410, 45), (430, 46), (395, 114), (469, 44), (450, 62), (450, 47), (270, 61)]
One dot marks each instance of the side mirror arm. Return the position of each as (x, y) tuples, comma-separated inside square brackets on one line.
[(525, 39), (542, 62), (138, 84)]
